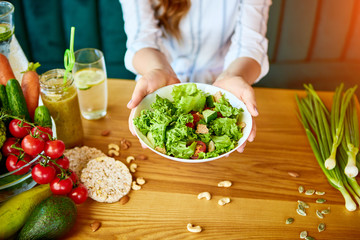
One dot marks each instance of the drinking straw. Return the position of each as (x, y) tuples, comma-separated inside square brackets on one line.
[(69, 56)]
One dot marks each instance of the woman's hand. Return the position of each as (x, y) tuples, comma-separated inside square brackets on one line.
[(242, 90), (148, 83)]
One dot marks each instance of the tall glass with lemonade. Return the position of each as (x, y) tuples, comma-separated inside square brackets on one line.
[(91, 82), (6, 26)]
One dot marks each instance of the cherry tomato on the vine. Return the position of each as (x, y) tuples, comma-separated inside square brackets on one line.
[(63, 162), (13, 163), (54, 149), (61, 186), (43, 174), (18, 128), (74, 177), (42, 132), (32, 146), (79, 194), (7, 148)]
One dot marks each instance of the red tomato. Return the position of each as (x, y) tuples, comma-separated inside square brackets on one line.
[(74, 177), (13, 163), (200, 147), (18, 128), (196, 119), (45, 133), (79, 194), (43, 175), (63, 162), (54, 149), (32, 146), (61, 186), (7, 148)]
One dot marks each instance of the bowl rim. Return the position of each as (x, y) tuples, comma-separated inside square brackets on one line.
[(225, 92), (28, 174)]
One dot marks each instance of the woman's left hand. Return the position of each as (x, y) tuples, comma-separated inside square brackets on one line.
[(242, 90)]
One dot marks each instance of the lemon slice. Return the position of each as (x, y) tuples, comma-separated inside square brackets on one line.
[(87, 78), (3, 29)]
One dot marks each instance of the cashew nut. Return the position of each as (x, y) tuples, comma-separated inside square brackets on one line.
[(140, 181), (242, 125), (129, 159), (114, 146), (193, 229), (113, 152), (134, 186), (223, 201), (224, 184), (133, 167), (211, 146), (204, 195)]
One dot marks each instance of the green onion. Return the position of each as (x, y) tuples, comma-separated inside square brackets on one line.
[(325, 133)]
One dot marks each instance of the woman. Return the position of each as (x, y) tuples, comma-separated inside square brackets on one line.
[(219, 42)]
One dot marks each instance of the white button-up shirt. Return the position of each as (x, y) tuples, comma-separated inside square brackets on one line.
[(214, 33)]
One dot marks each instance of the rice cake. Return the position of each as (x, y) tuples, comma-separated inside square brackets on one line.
[(106, 179)]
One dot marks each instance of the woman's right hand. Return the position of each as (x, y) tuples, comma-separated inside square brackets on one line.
[(148, 83)]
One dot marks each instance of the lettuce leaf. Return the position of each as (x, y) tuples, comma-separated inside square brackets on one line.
[(180, 150), (226, 126), (225, 108), (188, 98)]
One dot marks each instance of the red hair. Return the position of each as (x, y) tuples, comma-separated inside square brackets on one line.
[(169, 13)]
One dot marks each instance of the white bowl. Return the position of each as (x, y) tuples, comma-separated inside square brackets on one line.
[(165, 92)]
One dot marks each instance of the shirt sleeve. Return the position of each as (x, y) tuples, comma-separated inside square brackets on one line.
[(249, 38), (141, 29)]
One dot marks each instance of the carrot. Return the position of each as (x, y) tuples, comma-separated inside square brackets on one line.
[(6, 72), (30, 86)]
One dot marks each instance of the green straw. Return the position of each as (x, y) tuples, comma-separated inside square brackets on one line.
[(69, 56)]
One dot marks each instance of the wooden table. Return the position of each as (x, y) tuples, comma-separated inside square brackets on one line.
[(263, 195)]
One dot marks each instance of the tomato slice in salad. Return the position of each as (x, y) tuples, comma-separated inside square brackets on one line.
[(200, 147), (196, 119)]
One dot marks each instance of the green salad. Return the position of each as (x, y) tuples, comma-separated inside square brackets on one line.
[(195, 125)]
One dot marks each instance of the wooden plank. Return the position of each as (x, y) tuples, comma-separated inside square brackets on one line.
[(334, 22), (263, 195), (297, 30), (353, 49), (273, 28)]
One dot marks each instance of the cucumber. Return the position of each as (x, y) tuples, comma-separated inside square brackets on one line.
[(3, 98), (16, 100), (210, 101), (209, 115), (15, 211), (42, 116)]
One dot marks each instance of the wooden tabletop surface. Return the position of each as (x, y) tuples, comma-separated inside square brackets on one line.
[(263, 195)]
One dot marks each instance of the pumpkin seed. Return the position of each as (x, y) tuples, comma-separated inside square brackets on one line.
[(289, 221), (309, 192), (319, 193), (325, 211), (304, 204), (309, 238), (301, 207), (301, 189), (301, 212), (321, 227), (303, 234), (319, 214), (320, 200)]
